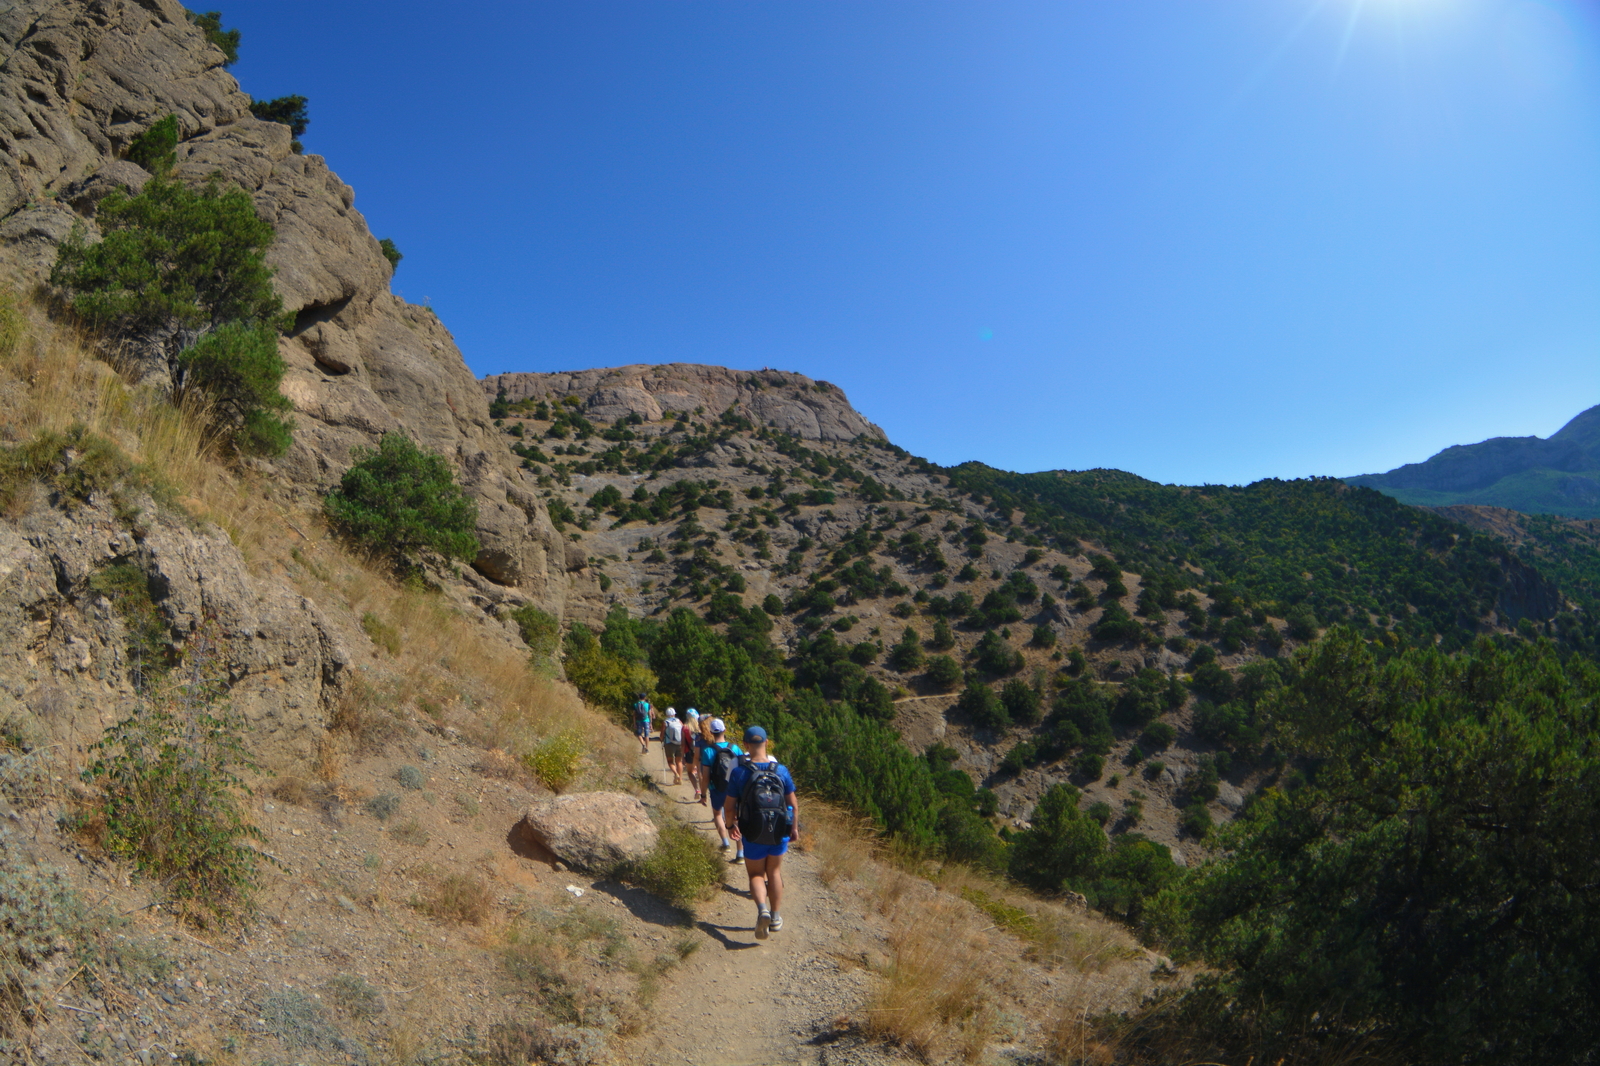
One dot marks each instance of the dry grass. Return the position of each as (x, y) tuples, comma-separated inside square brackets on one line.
[(932, 1000), (1058, 935), (843, 842), (460, 898)]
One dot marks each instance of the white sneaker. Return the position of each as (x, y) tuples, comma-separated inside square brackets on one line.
[(776, 923), (763, 923)]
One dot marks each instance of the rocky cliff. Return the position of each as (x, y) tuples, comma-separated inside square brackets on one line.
[(79, 80), (778, 399)]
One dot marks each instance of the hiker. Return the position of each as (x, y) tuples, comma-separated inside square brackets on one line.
[(641, 722), (761, 808), (717, 761), (672, 744), (701, 743), (691, 749)]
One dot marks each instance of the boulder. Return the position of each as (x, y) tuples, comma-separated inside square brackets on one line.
[(1230, 797), (595, 831)]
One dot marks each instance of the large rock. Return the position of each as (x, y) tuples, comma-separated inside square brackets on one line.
[(788, 402), (64, 645), (595, 831)]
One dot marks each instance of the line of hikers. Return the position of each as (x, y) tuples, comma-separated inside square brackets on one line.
[(751, 796)]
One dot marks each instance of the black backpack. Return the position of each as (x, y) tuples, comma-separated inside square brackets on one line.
[(722, 765), (764, 807)]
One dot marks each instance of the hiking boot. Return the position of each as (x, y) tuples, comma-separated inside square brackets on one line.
[(738, 860), (763, 923), (726, 844), (776, 923)]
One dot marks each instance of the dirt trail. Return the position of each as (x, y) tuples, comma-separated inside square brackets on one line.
[(739, 1001)]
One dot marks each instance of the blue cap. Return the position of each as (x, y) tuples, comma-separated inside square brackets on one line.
[(755, 735)]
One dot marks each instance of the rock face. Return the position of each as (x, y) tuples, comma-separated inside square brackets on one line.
[(596, 831), (80, 79), (64, 647), (790, 403)]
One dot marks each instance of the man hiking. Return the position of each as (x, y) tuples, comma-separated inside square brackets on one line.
[(761, 807), (672, 744), (641, 722), (717, 761)]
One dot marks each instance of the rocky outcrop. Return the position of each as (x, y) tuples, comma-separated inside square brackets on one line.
[(64, 643), (778, 399), (80, 79), (596, 831)]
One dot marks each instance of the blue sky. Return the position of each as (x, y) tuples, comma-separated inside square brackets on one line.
[(1201, 240)]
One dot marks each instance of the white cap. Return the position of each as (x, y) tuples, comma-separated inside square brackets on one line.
[(671, 713), (691, 713), (717, 726)]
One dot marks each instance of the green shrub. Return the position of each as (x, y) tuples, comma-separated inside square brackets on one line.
[(383, 806), (180, 269), (398, 500), (1159, 735), (944, 671), (227, 40), (1021, 701), (1091, 766), (238, 369), (169, 791), (148, 635), (684, 867), (286, 110), (979, 703), (1100, 811), (156, 149), (380, 632), (1196, 821), (540, 632), (557, 760), (409, 777)]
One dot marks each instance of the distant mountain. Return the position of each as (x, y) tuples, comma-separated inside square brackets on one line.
[(1559, 475)]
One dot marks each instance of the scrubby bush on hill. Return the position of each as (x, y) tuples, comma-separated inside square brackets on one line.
[(398, 500), (182, 275), (169, 782)]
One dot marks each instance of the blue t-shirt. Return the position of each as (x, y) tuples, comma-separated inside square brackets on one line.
[(743, 772), (708, 754)]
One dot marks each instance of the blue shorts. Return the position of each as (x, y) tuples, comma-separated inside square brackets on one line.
[(765, 851), (717, 800)]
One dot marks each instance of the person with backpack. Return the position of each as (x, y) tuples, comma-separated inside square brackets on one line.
[(760, 805), (691, 749), (717, 761), (641, 722), (672, 744)]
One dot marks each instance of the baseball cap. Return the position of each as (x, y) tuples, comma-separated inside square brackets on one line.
[(671, 713), (691, 713), (755, 735), (717, 726)]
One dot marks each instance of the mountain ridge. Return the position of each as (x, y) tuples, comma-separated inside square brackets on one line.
[(1559, 474)]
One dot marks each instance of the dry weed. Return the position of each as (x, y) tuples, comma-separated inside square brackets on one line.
[(843, 842), (460, 898), (932, 999), (332, 752)]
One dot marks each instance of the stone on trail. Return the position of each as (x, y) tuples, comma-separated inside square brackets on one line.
[(595, 831)]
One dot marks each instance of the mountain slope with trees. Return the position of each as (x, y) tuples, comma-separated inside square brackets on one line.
[(1555, 475)]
